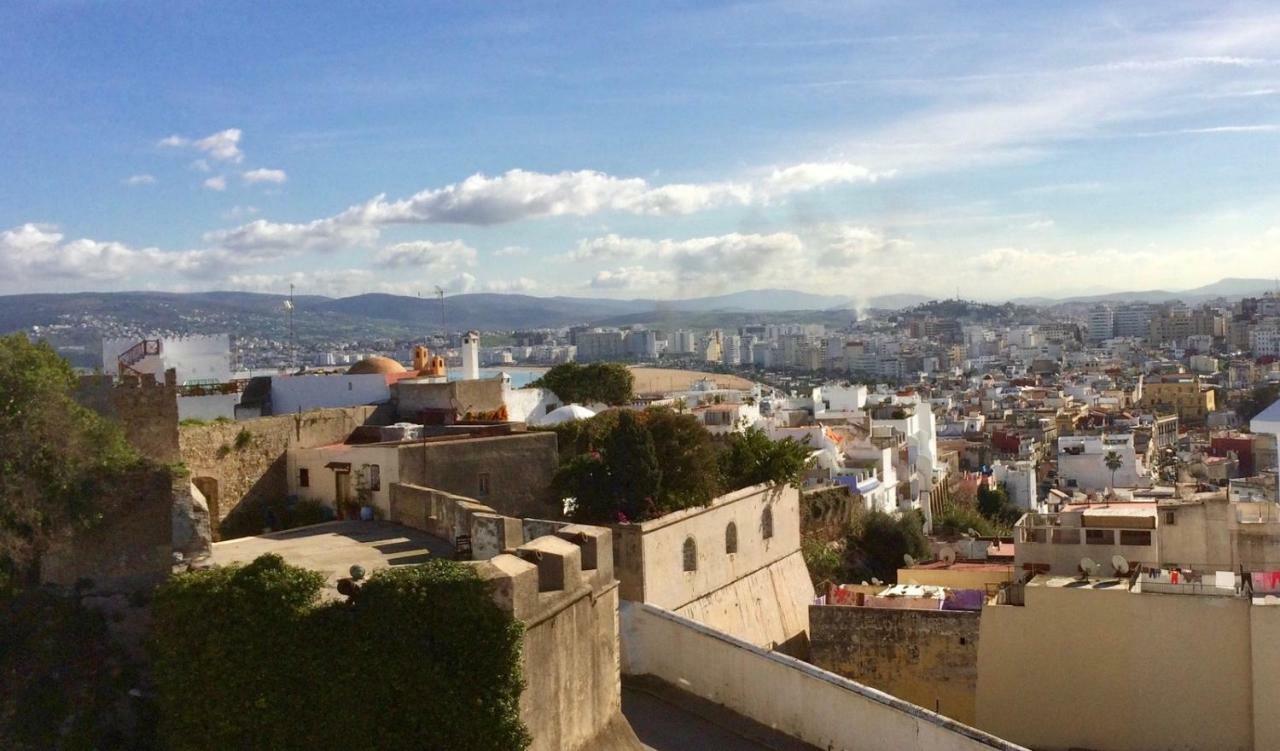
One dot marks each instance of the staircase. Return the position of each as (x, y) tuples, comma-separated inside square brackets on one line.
[(136, 354)]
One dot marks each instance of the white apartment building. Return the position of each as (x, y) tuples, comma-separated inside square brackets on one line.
[(1082, 462), (1101, 324)]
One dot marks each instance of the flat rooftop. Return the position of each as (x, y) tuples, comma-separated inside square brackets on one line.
[(333, 547)]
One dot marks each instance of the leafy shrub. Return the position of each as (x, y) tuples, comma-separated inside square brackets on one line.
[(63, 676), (956, 520), (243, 439), (751, 457), (248, 657)]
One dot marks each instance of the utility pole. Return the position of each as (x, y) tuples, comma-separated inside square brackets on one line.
[(444, 331), (293, 347)]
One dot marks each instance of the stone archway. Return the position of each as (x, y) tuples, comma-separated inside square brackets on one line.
[(208, 487)]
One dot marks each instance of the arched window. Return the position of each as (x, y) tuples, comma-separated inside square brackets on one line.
[(690, 554), (766, 523), (731, 538)]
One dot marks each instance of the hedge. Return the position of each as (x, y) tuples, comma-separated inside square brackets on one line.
[(248, 657)]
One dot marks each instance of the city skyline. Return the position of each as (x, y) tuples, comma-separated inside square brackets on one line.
[(672, 153)]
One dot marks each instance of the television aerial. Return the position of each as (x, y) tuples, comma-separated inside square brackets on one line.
[(1120, 564), (908, 559), (1087, 567), (948, 555)]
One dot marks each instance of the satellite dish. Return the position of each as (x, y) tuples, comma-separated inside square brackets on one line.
[(1087, 567), (875, 581), (908, 559), (948, 555), (972, 532), (1120, 564)]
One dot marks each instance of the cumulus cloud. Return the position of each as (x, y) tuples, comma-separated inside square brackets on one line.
[(135, 180), (41, 251), (522, 284), (264, 176), (223, 146), (218, 183), (428, 255), (846, 244), (520, 194), (460, 284), (329, 282), (511, 251), (631, 277), (263, 238)]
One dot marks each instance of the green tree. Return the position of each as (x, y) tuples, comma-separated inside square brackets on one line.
[(1259, 399), (607, 468), (606, 382), (1114, 463), (632, 458), (55, 456), (878, 541), (751, 457)]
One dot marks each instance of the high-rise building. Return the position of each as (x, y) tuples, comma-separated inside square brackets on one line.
[(1133, 320), (1101, 324), (594, 346)]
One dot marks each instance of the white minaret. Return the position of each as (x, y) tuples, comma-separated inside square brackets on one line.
[(471, 356)]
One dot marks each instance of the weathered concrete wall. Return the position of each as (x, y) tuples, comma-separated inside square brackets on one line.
[(760, 592), (768, 608), (148, 412), (463, 397), (130, 548), (1264, 629), (794, 697), (449, 516), (1079, 667), (562, 589), (927, 657), (253, 475), (518, 467)]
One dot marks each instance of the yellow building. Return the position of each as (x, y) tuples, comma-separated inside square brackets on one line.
[(1092, 664), (1182, 393)]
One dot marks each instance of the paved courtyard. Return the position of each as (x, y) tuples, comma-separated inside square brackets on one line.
[(333, 547)]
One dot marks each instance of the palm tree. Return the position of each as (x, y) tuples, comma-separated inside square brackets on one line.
[(1113, 462)]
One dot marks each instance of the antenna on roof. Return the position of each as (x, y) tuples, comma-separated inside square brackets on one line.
[(443, 331), (948, 555)]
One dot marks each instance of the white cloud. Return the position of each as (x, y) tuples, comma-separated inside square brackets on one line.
[(223, 145), (428, 255), (330, 283), (460, 284), (41, 251), (631, 277), (846, 244), (522, 284), (264, 176), (263, 238), (135, 180), (217, 182), (201, 165), (511, 251), (810, 175), (1040, 224)]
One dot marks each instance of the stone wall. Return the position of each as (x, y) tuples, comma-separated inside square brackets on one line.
[(813, 705), (131, 548), (147, 410), (449, 517), (562, 589), (927, 657), (518, 469), (463, 397), (241, 476)]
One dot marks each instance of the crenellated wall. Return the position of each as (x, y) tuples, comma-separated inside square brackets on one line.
[(146, 408)]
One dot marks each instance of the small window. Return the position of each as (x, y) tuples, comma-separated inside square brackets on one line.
[(731, 538), (1099, 537), (766, 524), (690, 554), (304, 478), (483, 489), (1170, 518), (1135, 537), (375, 477)]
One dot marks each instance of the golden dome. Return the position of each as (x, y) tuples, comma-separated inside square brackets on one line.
[(376, 364)]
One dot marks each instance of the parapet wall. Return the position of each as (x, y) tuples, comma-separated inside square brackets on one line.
[(146, 408), (562, 589), (791, 696), (927, 657)]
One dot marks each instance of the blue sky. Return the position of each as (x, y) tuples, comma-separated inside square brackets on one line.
[(637, 150)]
